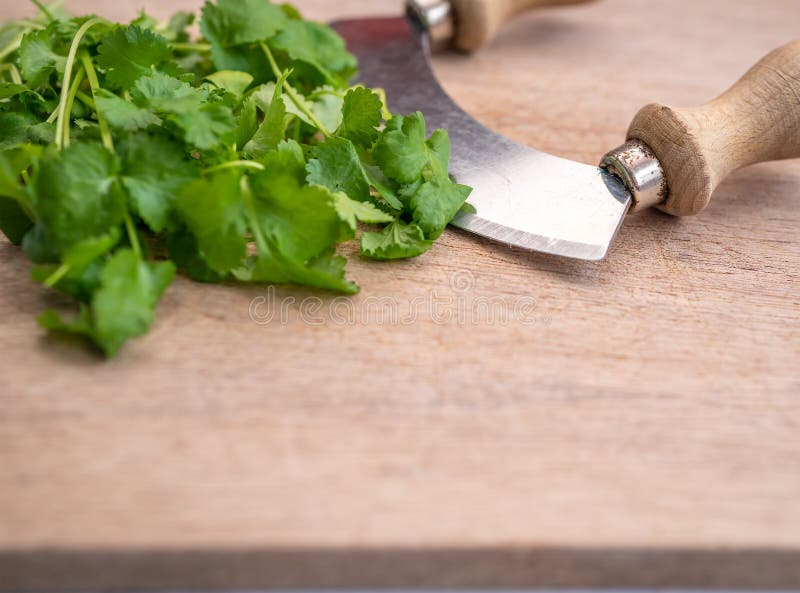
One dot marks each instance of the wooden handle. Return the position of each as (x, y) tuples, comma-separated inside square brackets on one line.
[(755, 121), (478, 21)]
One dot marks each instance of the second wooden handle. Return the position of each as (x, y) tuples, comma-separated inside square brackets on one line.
[(755, 121), (478, 21)]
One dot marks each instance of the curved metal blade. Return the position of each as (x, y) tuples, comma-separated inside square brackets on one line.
[(521, 196)]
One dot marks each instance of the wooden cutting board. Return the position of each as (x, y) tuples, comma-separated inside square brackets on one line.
[(629, 423)]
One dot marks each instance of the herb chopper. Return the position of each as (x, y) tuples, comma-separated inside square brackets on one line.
[(673, 159)]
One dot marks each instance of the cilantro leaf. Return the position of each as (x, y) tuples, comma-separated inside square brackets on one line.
[(401, 151), (163, 92), (153, 171), (436, 203), (396, 241), (231, 24), (124, 115), (40, 56), (231, 81), (239, 22), (14, 221), (335, 165), (12, 163), (273, 129), (246, 122), (208, 127), (80, 325), (128, 53), (353, 212), (325, 271), (82, 254), (361, 116), (288, 159), (300, 222), (213, 210), (123, 307), (15, 129), (203, 124), (77, 195), (318, 46), (184, 251)]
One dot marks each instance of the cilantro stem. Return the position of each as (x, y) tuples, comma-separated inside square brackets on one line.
[(387, 115), (45, 11), (70, 102), (247, 196), (198, 47), (235, 165), (293, 94), (56, 276), (133, 236), (94, 84), (31, 24), (86, 100), (65, 84), (12, 71)]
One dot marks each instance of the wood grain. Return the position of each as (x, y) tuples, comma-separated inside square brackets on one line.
[(638, 427), (756, 120)]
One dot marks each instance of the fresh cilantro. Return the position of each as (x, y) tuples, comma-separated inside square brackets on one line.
[(154, 169), (123, 306), (122, 114), (361, 117), (320, 48), (214, 212), (130, 151), (335, 165), (77, 194), (128, 53), (401, 151), (353, 212), (396, 241), (273, 128), (40, 56)]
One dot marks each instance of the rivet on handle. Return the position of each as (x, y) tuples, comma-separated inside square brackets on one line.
[(638, 168)]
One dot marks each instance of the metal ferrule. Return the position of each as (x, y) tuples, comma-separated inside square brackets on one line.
[(638, 167), (437, 18)]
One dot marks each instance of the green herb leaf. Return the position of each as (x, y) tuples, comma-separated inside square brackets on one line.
[(401, 151), (123, 307), (361, 116), (273, 129), (128, 53), (77, 194), (335, 165), (154, 169), (214, 212), (124, 115), (353, 212), (40, 56), (436, 203), (396, 241), (320, 47)]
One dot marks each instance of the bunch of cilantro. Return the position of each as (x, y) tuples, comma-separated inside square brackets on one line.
[(128, 152)]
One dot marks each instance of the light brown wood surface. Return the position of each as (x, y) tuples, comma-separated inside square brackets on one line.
[(644, 431), (756, 120), (479, 21)]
